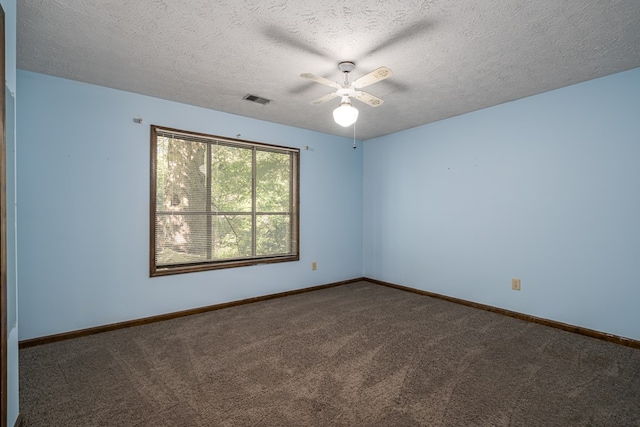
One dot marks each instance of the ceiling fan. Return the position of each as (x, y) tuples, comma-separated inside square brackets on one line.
[(346, 114)]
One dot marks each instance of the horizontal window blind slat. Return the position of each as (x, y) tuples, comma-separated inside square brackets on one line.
[(175, 134)]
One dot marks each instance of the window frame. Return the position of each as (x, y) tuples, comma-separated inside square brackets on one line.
[(179, 268)]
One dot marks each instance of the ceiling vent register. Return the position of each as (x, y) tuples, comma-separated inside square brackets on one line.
[(257, 99)]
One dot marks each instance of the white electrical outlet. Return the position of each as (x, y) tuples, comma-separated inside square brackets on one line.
[(314, 265)]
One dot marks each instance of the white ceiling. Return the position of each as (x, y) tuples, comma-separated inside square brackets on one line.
[(448, 57)]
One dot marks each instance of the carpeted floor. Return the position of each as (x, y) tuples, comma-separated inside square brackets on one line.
[(354, 355)]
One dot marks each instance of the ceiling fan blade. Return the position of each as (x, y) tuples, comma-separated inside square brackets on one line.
[(320, 80), (324, 99), (368, 99), (374, 76)]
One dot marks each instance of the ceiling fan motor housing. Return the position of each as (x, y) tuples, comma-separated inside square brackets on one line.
[(346, 91)]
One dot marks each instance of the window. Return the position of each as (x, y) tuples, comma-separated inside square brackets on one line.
[(220, 202)]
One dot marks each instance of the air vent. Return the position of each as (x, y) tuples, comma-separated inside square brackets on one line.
[(257, 99)]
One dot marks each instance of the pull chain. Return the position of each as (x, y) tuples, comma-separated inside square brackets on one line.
[(354, 136)]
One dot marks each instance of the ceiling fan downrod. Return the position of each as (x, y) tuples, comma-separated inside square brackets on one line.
[(346, 67)]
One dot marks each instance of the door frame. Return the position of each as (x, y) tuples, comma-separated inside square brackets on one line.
[(3, 227)]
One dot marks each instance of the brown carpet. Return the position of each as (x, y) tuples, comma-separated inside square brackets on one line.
[(354, 355)]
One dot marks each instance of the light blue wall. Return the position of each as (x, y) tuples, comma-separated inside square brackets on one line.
[(546, 189), (83, 184), (9, 7)]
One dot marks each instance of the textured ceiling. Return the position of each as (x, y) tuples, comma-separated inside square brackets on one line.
[(448, 57)]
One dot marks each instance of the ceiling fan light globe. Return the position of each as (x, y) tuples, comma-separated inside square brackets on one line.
[(345, 115)]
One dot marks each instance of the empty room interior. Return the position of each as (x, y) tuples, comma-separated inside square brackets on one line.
[(349, 213)]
